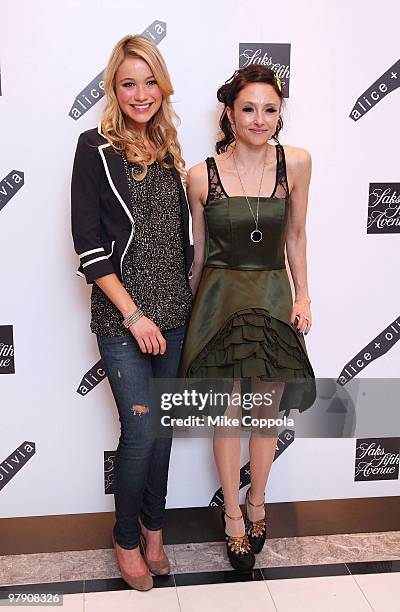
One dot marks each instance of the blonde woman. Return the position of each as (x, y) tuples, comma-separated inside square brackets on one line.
[(130, 226)]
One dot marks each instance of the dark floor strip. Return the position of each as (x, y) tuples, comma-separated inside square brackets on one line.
[(66, 588), (117, 584), (374, 567), (196, 578), (305, 571)]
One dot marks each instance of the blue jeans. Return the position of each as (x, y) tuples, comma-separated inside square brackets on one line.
[(141, 461)]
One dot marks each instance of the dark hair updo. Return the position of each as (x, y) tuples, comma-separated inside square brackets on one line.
[(227, 94)]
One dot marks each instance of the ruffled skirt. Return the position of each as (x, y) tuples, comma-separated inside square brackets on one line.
[(240, 329), (252, 344)]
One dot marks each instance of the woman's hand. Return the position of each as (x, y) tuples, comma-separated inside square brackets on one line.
[(301, 318), (148, 336)]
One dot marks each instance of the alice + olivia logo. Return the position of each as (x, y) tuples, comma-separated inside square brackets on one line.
[(92, 378), (9, 186), (14, 462), (380, 345), (384, 85)]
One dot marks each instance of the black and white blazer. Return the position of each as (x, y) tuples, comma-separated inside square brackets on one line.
[(102, 224)]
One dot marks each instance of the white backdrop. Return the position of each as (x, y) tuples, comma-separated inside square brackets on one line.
[(49, 51)]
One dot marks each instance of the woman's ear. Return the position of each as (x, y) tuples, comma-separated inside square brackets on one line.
[(229, 113)]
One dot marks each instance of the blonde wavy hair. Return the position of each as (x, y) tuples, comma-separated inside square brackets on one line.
[(161, 129)]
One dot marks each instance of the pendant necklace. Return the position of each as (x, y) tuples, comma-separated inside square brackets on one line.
[(256, 235)]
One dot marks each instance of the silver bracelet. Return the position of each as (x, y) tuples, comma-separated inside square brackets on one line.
[(132, 318)]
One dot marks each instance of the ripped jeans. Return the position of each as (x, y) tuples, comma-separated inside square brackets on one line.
[(141, 461)]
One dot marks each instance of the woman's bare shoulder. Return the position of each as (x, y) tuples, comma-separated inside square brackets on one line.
[(297, 157), (198, 179), (198, 171)]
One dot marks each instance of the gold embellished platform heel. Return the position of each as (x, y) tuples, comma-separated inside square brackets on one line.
[(238, 548), (256, 530)]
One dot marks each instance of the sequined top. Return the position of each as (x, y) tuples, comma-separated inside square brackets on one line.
[(153, 268)]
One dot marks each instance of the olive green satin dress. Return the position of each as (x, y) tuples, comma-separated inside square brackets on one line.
[(240, 320)]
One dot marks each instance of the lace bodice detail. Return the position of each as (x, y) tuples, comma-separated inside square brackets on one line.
[(216, 190)]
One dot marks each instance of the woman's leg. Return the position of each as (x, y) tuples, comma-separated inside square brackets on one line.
[(155, 492), (226, 445), (262, 444), (129, 371)]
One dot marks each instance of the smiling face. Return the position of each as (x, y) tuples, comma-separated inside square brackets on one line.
[(255, 113), (138, 94)]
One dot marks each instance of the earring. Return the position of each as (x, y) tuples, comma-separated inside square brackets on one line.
[(275, 135)]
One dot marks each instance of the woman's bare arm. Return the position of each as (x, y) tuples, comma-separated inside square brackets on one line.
[(197, 194), (296, 238)]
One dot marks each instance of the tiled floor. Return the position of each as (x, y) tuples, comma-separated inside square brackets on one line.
[(369, 592), (349, 573), (279, 552)]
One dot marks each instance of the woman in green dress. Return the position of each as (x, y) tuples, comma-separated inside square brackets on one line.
[(244, 322)]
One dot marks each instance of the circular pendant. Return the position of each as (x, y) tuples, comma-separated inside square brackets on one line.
[(256, 235)]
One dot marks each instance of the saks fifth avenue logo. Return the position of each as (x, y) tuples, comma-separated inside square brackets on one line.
[(15, 462), (7, 365), (283, 442), (9, 186), (94, 91), (380, 345), (109, 459), (377, 459), (384, 208), (274, 55), (91, 379), (388, 82)]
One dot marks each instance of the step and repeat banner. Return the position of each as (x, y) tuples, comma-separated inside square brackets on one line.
[(339, 63)]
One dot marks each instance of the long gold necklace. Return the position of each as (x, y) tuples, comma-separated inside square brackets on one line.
[(256, 235)]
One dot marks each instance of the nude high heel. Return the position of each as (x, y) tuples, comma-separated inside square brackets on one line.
[(159, 568), (140, 583)]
